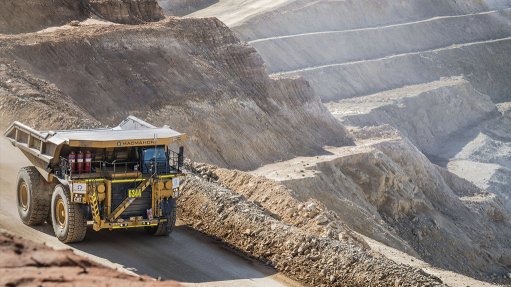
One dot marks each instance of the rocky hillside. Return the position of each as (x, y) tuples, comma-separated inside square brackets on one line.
[(24, 16), (436, 74), (284, 233), (415, 82), (387, 190), (33, 15)]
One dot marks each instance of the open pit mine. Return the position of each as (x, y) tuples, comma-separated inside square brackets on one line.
[(261, 143)]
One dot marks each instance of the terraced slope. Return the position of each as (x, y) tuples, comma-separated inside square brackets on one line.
[(352, 48), (364, 50), (387, 190), (431, 71)]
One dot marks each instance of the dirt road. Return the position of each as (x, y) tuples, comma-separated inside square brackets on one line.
[(186, 256)]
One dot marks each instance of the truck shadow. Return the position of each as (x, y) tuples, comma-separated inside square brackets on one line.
[(186, 255)]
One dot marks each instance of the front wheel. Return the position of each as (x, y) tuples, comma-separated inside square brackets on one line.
[(165, 228), (68, 218)]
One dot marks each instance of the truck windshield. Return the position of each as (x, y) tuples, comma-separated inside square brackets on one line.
[(154, 160), (158, 153)]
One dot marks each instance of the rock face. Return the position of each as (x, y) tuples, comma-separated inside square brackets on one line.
[(386, 189), (127, 11), (31, 15), (192, 74), (36, 102), (427, 114)]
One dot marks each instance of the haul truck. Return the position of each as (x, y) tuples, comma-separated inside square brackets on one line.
[(111, 178)]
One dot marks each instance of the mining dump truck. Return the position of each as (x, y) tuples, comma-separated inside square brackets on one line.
[(122, 177)]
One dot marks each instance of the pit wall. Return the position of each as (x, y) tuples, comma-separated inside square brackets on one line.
[(295, 52), (184, 7), (403, 192), (126, 11), (37, 103), (344, 15), (426, 114)]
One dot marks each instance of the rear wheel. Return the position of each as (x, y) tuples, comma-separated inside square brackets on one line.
[(68, 218), (166, 227), (32, 196)]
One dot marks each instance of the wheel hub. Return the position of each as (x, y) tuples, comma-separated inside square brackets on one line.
[(60, 213), (23, 196)]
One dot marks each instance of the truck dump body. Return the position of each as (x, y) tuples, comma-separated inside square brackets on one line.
[(127, 175)]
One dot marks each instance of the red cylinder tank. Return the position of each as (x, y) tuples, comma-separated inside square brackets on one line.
[(88, 161), (79, 162)]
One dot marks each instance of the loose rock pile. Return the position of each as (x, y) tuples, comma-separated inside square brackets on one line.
[(304, 255), (311, 216)]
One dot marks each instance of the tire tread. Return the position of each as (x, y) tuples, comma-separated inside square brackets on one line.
[(40, 197), (77, 223)]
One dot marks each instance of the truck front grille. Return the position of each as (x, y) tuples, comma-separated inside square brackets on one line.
[(139, 207)]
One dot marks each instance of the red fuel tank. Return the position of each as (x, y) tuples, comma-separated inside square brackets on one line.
[(79, 162), (88, 161)]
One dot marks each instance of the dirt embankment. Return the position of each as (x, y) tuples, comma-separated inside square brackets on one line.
[(32, 15), (36, 102), (25, 263), (300, 253)]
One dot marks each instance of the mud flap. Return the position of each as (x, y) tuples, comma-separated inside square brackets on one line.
[(167, 205)]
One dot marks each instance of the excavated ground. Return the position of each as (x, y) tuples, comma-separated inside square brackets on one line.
[(284, 233), (322, 189), (225, 91), (429, 72), (276, 103), (387, 190)]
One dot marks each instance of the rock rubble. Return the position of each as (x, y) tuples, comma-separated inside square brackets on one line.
[(299, 252)]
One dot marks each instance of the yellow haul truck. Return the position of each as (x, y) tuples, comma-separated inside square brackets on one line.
[(121, 177)]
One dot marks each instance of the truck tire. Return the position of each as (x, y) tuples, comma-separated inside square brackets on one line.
[(32, 196), (68, 218), (165, 228)]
